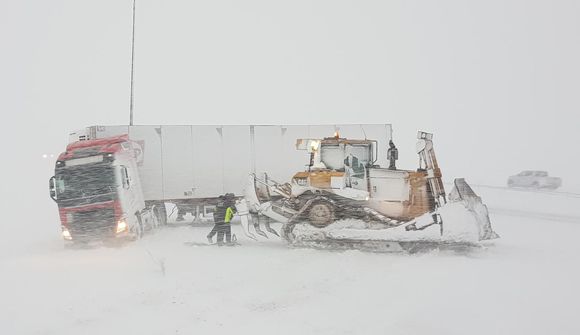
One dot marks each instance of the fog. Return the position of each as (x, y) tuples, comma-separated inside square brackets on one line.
[(496, 81)]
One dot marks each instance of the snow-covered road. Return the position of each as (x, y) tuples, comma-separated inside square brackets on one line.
[(524, 283)]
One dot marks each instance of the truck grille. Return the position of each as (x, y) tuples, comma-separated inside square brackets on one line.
[(93, 224)]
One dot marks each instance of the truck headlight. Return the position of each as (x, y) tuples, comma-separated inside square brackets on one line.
[(121, 226), (66, 234)]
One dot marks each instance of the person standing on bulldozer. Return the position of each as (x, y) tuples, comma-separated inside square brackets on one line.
[(392, 155), (222, 217)]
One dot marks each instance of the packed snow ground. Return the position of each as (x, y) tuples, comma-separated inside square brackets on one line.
[(524, 283)]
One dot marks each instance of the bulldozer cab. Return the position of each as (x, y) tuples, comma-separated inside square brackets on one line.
[(343, 154), (351, 157), (338, 153)]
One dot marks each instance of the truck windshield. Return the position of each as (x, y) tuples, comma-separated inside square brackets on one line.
[(84, 181)]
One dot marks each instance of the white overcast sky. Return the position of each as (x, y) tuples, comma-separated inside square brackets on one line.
[(497, 81)]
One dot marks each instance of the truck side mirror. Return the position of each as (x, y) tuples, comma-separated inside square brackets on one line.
[(52, 188)]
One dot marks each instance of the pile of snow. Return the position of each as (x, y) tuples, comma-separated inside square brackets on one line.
[(526, 282)]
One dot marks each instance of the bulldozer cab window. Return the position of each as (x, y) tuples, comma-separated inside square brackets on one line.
[(361, 152), (357, 166), (333, 156), (336, 157)]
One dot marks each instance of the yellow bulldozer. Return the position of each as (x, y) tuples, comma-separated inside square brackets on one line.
[(345, 200)]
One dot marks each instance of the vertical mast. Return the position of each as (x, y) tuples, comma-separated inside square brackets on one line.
[(132, 66)]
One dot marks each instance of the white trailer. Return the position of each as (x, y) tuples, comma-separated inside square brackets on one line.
[(191, 165)]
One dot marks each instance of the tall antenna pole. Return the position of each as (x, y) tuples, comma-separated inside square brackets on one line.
[(132, 66)]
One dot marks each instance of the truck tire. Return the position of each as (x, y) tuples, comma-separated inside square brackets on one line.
[(138, 227), (161, 213), (321, 214)]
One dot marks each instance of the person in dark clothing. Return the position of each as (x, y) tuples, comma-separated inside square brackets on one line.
[(222, 217), (216, 219), (226, 228), (392, 155)]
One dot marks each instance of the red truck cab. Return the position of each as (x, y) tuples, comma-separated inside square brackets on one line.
[(97, 188)]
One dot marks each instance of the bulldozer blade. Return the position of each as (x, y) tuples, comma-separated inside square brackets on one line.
[(463, 192), (259, 230), (246, 228), (270, 229)]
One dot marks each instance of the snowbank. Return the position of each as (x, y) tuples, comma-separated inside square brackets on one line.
[(524, 283)]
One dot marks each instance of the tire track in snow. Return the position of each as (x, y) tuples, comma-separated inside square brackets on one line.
[(530, 214), (530, 190), (535, 215)]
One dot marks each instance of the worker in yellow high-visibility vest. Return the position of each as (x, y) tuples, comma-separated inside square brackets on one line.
[(223, 215)]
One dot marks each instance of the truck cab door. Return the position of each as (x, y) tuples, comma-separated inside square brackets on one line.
[(127, 195)]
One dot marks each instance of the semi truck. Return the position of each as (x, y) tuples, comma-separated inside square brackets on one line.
[(113, 183)]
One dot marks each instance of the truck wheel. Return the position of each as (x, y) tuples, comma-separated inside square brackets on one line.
[(138, 228), (161, 213), (321, 214)]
